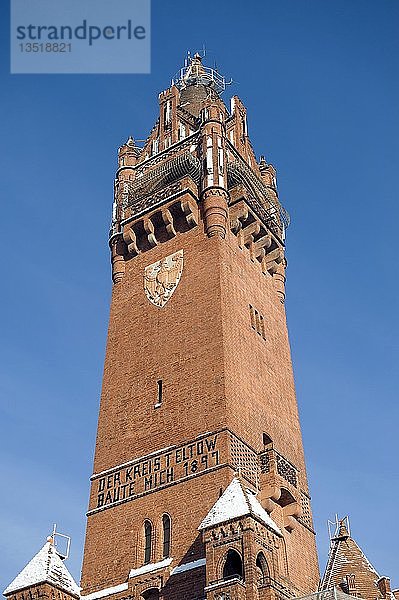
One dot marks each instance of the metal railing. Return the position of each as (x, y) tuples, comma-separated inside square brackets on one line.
[(193, 75)]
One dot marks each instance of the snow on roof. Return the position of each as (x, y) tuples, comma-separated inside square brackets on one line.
[(45, 567), (194, 564), (148, 568), (122, 587), (237, 501)]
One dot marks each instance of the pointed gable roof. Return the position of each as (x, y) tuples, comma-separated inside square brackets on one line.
[(237, 501), (345, 558), (45, 567)]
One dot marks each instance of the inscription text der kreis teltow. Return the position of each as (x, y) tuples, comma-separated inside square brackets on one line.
[(150, 473)]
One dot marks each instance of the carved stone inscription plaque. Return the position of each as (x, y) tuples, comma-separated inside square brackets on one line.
[(155, 471)]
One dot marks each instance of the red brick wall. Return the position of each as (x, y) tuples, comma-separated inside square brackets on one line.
[(216, 372)]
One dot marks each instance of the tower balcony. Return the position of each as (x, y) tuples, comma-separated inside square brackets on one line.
[(279, 482), (274, 463)]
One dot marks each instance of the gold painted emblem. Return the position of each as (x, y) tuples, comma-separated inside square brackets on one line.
[(162, 277)]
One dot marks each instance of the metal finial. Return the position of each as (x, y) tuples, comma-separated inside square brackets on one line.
[(53, 541)]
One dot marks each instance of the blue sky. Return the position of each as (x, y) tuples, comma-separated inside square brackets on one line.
[(320, 82)]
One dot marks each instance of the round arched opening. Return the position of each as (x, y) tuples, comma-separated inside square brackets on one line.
[(147, 542), (262, 568), (286, 498), (233, 565), (166, 526), (151, 594)]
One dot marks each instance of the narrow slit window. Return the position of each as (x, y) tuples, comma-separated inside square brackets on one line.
[(147, 542), (262, 326), (167, 114), (166, 524), (244, 125), (257, 322), (159, 391), (252, 314), (182, 131)]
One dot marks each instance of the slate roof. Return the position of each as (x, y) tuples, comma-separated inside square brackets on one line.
[(346, 558)]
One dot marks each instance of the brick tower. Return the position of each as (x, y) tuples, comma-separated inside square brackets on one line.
[(199, 487)]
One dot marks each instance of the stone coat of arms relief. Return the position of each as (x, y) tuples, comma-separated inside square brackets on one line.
[(162, 277)]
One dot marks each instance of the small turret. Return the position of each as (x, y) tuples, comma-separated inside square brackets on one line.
[(128, 153), (349, 570), (45, 576)]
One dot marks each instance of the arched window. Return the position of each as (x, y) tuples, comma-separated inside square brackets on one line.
[(348, 584), (147, 541), (262, 569), (166, 526), (267, 440), (233, 565), (151, 594), (286, 497)]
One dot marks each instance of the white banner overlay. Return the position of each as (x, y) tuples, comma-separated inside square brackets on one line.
[(80, 36)]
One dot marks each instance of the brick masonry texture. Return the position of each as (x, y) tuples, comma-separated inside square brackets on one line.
[(218, 374)]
